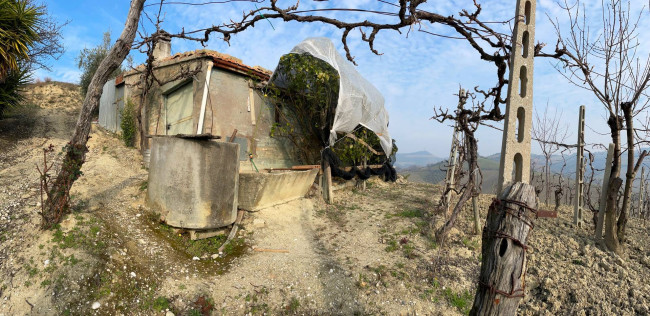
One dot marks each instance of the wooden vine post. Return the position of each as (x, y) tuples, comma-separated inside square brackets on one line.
[(503, 268), (328, 190), (511, 216), (477, 219)]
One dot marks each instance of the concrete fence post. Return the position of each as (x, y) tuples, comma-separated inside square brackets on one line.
[(580, 171), (641, 188), (603, 193)]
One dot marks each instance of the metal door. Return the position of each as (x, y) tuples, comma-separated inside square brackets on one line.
[(107, 110), (119, 104), (179, 108)]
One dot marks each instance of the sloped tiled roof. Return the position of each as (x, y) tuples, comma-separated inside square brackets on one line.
[(223, 61), (220, 60)]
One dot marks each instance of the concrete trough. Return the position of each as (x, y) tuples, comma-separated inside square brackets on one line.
[(194, 182), (266, 189)]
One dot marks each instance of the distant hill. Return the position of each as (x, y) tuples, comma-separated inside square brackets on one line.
[(436, 173), (416, 159), (567, 164)]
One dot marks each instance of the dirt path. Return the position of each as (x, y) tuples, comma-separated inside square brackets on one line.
[(307, 273)]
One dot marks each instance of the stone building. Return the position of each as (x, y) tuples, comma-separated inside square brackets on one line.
[(218, 98)]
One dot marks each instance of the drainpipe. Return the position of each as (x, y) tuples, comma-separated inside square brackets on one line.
[(206, 87)]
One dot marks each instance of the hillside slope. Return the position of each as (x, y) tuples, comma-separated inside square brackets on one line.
[(436, 173), (369, 253)]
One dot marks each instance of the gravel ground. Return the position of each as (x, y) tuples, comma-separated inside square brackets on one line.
[(368, 253)]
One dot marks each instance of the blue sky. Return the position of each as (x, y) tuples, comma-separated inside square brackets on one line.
[(416, 72)]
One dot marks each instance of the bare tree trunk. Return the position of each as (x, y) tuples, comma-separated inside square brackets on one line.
[(631, 170), (503, 267), (75, 151), (558, 198), (469, 191), (611, 238)]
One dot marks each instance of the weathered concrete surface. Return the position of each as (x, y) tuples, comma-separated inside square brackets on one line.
[(515, 149), (155, 111), (194, 183), (578, 205), (262, 190), (231, 104)]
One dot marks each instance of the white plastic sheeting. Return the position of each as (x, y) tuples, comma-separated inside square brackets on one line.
[(359, 101)]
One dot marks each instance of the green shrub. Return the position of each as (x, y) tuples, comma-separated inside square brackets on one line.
[(462, 301), (353, 152), (128, 124), (161, 303), (411, 213)]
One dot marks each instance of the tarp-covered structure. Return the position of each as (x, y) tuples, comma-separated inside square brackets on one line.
[(359, 102)]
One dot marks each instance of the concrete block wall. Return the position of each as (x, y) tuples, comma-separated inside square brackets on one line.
[(234, 104)]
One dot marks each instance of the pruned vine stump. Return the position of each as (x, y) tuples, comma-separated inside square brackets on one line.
[(503, 268)]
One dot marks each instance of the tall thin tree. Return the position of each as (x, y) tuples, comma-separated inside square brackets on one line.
[(607, 63)]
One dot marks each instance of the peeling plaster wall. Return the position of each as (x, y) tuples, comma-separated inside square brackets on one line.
[(228, 107), (233, 104), (154, 111)]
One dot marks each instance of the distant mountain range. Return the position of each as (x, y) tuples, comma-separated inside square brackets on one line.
[(436, 173), (419, 168), (419, 158), (567, 164)]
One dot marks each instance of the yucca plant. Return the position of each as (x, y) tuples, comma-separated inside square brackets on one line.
[(11, 88), (18, 24)]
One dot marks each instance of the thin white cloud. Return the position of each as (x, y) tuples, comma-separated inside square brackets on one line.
[(415, 73)]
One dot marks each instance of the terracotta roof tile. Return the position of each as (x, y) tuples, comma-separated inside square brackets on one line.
[(220, 60), (227, 59)]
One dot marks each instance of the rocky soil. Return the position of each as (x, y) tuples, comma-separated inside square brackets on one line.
[(368, 253)]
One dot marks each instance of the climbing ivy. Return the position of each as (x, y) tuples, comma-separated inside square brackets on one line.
[(304, 92)]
